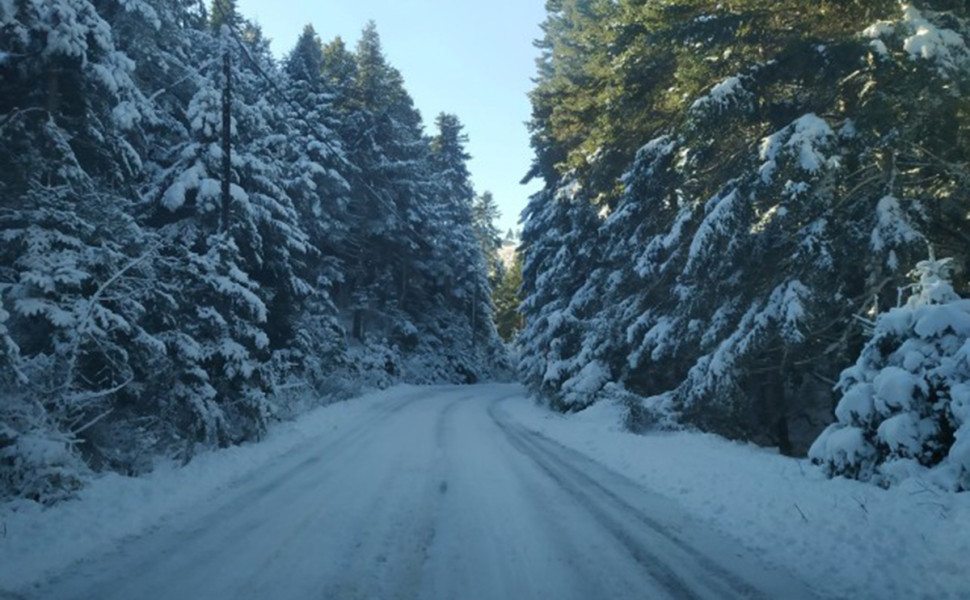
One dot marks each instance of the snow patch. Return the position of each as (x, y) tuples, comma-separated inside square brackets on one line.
[(722, 95), (893, 230), (802, 140)]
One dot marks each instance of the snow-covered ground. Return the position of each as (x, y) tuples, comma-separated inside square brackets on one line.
[(851, 540), (475, 492), (35, 542)]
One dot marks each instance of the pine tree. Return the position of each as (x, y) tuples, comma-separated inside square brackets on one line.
[(558, 240), (460, 261), (505, 297), (313, 163), (224, 12), (76, 265), (339, 70), (387, 147), (376, 80), (484, 214), (306, 61), (455, 213)]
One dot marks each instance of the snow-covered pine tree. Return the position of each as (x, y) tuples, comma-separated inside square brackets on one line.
[(77, 268), (905, 405), (384, 143), (819, 190), (459, 260), (559, 242), (313, 161), (729, 255), (247, 275)]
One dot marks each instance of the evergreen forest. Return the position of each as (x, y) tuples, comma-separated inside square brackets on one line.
[(754, 221), (735, 194), (197, 237)]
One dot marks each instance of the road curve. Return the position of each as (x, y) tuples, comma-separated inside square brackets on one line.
[(432, 493)]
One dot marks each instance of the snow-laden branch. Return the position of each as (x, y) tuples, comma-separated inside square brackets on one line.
[(84, 323)]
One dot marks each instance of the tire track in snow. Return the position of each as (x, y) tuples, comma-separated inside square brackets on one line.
[(252, 499), (653, 545), (654, 566), (431, 493), (501, 533)]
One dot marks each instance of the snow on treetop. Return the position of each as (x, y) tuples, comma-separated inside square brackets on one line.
[(589, 380), (894, 390), (568, 191), (55, 315), (934, 282), (7, 10), (923, 40), (126, 114), (879, 29), (174, 196), (721, 210), (879, 47), (932, 43)]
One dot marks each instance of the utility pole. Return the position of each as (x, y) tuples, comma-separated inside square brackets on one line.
[(474, 310), (226, 128)]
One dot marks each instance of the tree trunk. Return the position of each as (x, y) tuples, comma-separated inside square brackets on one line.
[(358, 332), (781, 393)]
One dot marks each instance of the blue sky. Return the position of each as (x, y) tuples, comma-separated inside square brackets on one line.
[(474, 59)]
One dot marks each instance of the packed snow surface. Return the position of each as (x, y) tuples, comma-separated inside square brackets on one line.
[(848, 539), (475, 492)]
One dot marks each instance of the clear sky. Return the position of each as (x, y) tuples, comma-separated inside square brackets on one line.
[(473, 59)]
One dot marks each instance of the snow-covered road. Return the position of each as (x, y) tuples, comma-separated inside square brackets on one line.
[(429, 493)]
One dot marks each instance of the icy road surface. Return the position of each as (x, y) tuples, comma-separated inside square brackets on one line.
[(432, 493)]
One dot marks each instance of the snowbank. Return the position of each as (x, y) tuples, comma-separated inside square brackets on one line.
[(848, 539)]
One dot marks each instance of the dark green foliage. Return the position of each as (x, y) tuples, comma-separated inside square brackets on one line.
[(484, 214), (505, 297), (305, 62), (223, 12), (763, 171)]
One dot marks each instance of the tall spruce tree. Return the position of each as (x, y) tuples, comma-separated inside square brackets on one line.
[(505, 297), (484, 214)]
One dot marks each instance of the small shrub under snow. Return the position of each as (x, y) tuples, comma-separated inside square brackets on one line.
[(905, 406)]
